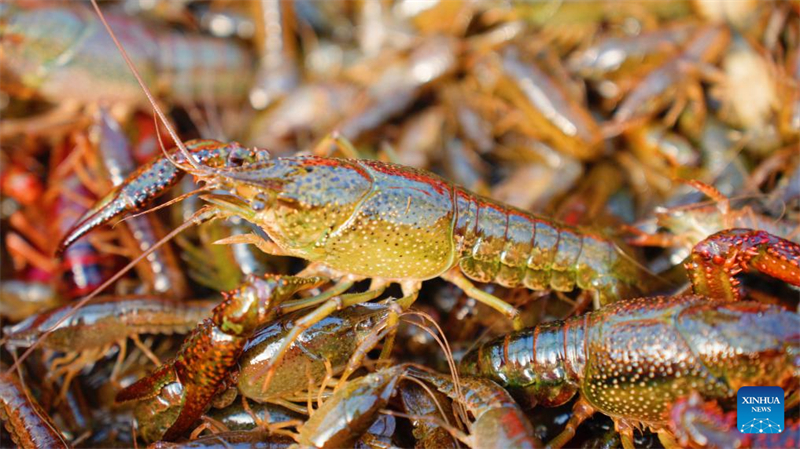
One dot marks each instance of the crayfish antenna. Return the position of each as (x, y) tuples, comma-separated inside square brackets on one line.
[(448, 353), (204, 214), (192, 161)]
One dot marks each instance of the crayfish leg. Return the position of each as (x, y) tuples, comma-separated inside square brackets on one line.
[(386, 329), (626, 437), (264, 245), (581, 411), (70, 365), (667, 440), (333, 142), (511, 312), (393, 321), (317, 315)]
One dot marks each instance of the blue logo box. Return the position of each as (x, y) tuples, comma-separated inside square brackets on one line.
[(759, 410)]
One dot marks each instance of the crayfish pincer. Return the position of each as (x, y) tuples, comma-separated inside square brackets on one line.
[(173, 397), (631, 360)]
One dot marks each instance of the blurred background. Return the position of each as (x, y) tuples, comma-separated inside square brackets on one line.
[(592, 113)]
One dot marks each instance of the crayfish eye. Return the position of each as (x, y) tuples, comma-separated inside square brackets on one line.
[(234, 160)]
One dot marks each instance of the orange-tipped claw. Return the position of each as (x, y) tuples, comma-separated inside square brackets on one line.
[(715, 262)]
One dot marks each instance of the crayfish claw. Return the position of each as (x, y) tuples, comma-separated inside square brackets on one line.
[(101, 213), (147, 387), (715, 262)]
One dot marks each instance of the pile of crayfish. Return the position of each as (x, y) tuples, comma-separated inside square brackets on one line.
[(437, 224)]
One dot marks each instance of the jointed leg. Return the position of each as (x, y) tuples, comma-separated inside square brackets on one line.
[(323, 385), (145, 350), (580, 412), (340, 143), (388, 343), (22, 252), (667, 440), (626, 437), (265, 246), (309, 320), (123, 349), (291, 406), (387, 329), (337, 289), (490, 300)]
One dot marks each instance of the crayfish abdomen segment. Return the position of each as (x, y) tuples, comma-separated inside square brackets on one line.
[(513, 248), (538, 366), (631, 360)]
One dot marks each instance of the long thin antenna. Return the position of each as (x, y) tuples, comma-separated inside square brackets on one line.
[(445, 345), (167, 204), (203, 214), (189, 157)]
